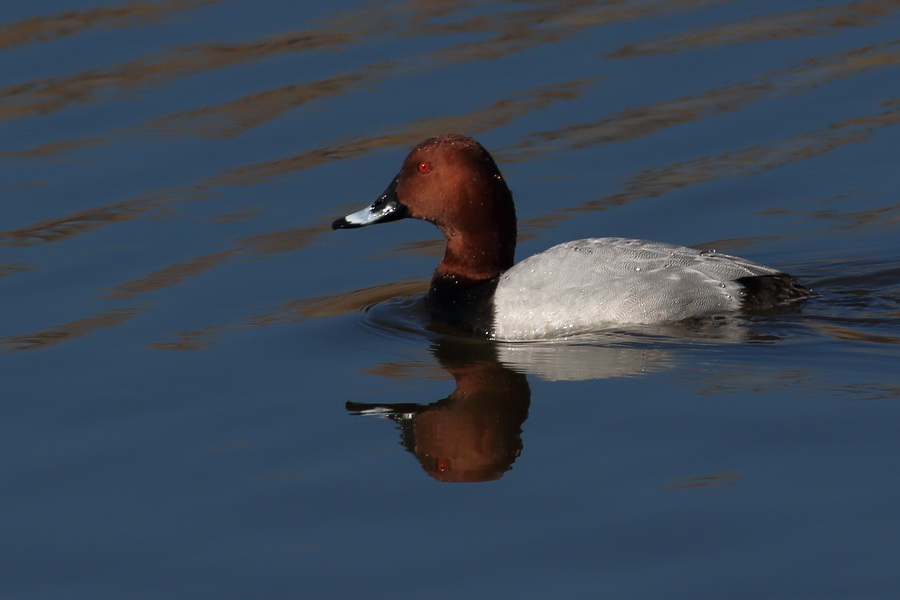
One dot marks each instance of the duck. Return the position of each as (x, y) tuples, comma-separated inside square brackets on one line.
[(575, 287)]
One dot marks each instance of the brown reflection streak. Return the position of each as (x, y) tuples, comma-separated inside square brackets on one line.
[(433, 248), (287, 240), (867, 391), (256, 109), (16, 267), (53, 148), (408, 369), (41, 96), (803, 23), (83, 221), (294, 311), (515, 30), (67, 331), (189, 340), (633, 123), (58, 25), (521, 30), (169, 276), (559, 16), (337, 304), (887, 217), (494, 115), (175, 274), (845, 333), (23, 184), (267, 243), (55, 230), (747, 161), (232, 118)]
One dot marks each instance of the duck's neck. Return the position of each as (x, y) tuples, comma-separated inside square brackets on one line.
[(462, 289), (480, 231), (477, 254)]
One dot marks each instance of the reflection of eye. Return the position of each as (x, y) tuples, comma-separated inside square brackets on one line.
[(442, 464), (424, 167)]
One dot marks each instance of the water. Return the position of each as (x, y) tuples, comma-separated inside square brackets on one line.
[(208, 393)]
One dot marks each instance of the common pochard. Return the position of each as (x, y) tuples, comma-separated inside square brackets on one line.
[(577, 286)]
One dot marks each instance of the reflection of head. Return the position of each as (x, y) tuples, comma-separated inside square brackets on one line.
[(472, 435), (475, 433)]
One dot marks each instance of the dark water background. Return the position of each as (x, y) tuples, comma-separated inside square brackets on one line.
[(182, 332)]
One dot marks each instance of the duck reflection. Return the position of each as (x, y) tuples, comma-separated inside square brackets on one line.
[(474, 434)]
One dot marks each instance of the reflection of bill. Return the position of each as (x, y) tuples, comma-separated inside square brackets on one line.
[(475, 433)]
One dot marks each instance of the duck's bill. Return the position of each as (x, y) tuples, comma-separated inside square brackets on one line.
[(385, 209)]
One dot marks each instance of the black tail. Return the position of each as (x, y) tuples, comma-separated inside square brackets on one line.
[(762, 292)]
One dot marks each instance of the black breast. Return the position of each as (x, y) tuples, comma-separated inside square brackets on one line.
[(462, 303)]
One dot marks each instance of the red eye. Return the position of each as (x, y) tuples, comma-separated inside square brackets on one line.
[(424, 167)]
